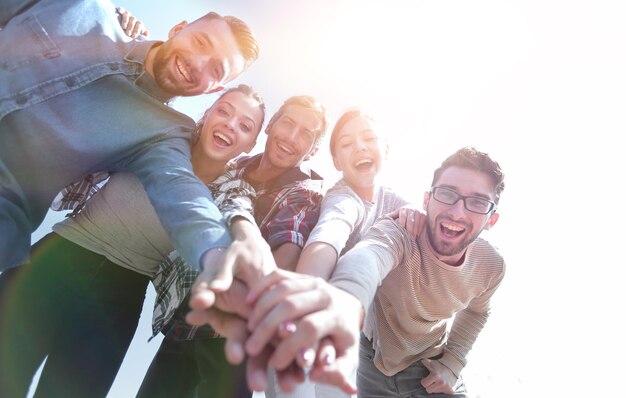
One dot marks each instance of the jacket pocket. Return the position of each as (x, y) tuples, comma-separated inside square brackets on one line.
[(32, 43)]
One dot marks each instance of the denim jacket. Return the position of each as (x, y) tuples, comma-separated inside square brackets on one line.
[(75, 99)]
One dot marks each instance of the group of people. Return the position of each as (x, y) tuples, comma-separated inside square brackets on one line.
[(264, 281)]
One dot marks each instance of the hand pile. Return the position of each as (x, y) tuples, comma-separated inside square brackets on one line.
[(286, 321)]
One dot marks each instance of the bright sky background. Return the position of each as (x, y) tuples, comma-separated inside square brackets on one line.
[(540, 85)]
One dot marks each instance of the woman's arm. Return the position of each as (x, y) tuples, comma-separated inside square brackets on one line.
[(317, 259)]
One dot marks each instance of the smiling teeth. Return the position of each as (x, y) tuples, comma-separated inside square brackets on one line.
[(182, 70), (363, 161), (452, 227), (223, 137), (284, 148)]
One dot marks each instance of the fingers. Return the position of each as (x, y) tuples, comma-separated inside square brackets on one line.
[(289, 308), (394, 214), (333, 375), (132, 26), (218, 271), (290, 377), (257, 370), (233, 300), (229, 325), (412, 223), (138, 28), (402, 216), (326, 353), (201, 296), (335, 371), (278, 293), (264, 283)]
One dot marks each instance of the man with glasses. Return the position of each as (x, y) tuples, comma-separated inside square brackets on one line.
[(430, 296), (435, 291)]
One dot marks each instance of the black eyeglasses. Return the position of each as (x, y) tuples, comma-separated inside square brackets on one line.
[(471, 203)]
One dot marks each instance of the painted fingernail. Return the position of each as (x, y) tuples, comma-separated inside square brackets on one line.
[(308, 356), (328, 358), (288, 327)]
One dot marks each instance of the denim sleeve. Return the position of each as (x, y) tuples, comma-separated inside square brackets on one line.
[(182, 202)]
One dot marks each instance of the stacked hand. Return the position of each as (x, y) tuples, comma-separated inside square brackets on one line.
[(285, 321)]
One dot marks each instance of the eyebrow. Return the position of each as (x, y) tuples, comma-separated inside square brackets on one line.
[(244, 116), (362, 132), (474, 194)]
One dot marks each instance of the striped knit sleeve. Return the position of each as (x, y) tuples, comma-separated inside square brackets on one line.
[(469, 322), (361, 270)]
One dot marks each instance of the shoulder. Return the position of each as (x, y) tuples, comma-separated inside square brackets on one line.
[(488, 254), (341, 190)]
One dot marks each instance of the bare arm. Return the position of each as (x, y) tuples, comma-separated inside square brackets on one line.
[(286, 256), (317, 259)]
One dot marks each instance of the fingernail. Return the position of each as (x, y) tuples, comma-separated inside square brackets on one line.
[(327, 359), (308, 356), (288, 327)]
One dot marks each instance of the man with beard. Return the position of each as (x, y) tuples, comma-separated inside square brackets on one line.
[(431, 295), (78, 96), (443, 279), (286, 209)]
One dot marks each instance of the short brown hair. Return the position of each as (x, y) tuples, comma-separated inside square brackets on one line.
[(473, 159), (244, 37)]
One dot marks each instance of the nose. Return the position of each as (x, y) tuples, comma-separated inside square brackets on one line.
[(457, 210), (202, 70), (360, 144), (231, 123), (291, 135)]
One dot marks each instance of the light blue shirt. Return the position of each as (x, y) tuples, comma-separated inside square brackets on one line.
[(75, 99)]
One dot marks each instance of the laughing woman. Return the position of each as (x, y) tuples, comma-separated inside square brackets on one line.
[(79, 300), (350, 207)]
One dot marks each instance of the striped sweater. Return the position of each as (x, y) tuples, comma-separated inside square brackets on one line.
[(423, 307)]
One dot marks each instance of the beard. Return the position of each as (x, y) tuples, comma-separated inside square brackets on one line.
[(446, 248), (163, 73)]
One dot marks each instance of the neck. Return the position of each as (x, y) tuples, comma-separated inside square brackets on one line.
[(206, 169), (365, 193), (148, 62), (266, 171)]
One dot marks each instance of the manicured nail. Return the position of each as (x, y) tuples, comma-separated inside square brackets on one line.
[(308, 356), (288, 328)]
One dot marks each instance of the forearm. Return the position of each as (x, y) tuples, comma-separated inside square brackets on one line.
[(357, 273), (463, 334), (317, 259), (182, 202), (242, 229), (286, 255)]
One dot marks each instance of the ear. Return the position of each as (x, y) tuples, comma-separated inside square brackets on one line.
[(491, 221), (310, 155), (426, 200), (177, 28)]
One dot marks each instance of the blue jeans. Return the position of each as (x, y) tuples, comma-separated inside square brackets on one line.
[(73, 306), (372, 383)]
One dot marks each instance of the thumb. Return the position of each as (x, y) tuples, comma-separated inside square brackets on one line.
[(394, 214), (428, 364), (218, 270)]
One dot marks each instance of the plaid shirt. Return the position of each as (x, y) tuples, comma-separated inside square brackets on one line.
[(234, 198), (286, 210), (76, 195)]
